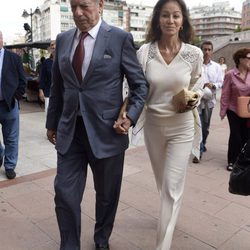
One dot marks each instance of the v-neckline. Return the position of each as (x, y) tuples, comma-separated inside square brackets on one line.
[(161, 57)]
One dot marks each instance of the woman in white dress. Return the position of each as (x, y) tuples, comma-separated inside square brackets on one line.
[(170, 65)]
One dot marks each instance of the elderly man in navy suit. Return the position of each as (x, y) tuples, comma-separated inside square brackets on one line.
[(86, 96), (12, 88)]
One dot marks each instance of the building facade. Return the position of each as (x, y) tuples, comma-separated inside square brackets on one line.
[(245, 25), (56, 17), (116, 13), (214, 21), (139, 17)]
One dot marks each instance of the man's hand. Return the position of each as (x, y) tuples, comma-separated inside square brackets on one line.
[(51, 135), (122, 124), (41, 95), (209, 85)]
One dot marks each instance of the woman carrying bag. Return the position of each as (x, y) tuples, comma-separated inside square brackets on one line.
[(236, 84)]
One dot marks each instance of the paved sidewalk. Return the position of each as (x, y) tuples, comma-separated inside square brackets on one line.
[(210, 217)]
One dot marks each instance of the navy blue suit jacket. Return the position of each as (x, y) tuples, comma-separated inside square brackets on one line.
[(13, 78), (99, 95)]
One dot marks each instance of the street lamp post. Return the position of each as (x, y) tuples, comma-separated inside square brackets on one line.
[(31, 13), (29, 30)]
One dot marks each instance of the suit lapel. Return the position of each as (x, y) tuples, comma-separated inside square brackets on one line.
[(99, 48), (65, 52)]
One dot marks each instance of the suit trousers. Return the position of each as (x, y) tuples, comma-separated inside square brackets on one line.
[(9, 119), (70, 183), (239, 134), (169, 145)]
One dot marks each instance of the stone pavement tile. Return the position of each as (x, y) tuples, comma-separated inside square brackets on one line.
[(203, 169), (220, 173), (130, 169), (119, 243), (46, 183), (37, 148), (187, 242), (203, 201), (138, 155), (50, 245), (36, 206), (50, 227), (141, 199), (137, 228), (204, 183), (6, 209), (13, 191), (19, 233), (127, 185), (222, 191), (144, 179), (28, 166), (90, 182), (240, 241), (206, 228), (235, 214)]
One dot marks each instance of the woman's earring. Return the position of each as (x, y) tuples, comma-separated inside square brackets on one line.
[(181, 28)]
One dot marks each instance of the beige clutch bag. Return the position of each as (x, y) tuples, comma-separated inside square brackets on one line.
[(185, 100)]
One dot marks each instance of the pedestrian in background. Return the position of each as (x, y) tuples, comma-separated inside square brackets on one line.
[(39, 66), (45, 77), (236, 83), (222, 62), (85, 100), (213, 80), (171, 65), (12, 89)]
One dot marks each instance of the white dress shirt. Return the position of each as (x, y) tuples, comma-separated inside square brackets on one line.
[(212, 73), (89, 43)]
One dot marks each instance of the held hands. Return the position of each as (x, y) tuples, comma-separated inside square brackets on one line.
[(123, 123), (51, 135)]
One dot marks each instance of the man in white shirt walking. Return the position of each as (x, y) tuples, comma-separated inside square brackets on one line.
[(213, 80)]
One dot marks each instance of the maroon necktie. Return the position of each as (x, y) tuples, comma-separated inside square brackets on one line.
[(79, 56)]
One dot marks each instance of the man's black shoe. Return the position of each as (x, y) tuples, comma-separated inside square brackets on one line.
[(10, 173), (101, 247), (196, 160)]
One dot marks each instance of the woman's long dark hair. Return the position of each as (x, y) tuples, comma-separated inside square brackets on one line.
[(154, 32)]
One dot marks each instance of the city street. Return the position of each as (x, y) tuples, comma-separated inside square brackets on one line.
[(210, 217)]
